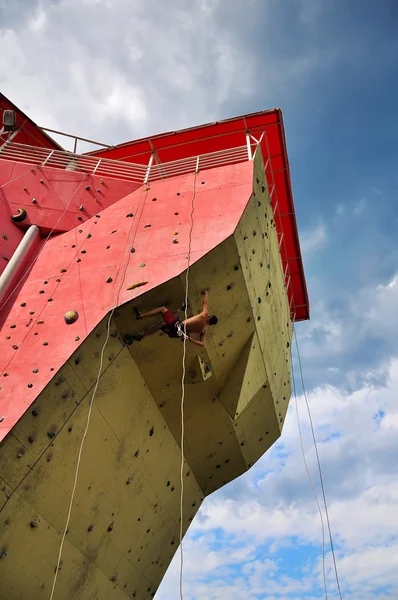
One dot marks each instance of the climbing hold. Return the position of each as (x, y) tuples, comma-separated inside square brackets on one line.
[(88, 236), (5, 237), (109, 280), (41, 291), (51, 435), (20, 216), (83, 251), (87, 188), (40, 322), (128, 339), (148, 225), (34, 201), (45, 343), (30, 439), (80, 218), (129, 215), (1, 419), (151, 432), (114, 231), (79, 260), (110, 528), (142, 264), (107, 247), (63, 271), (41, 180), (77, 338), (8, 337), (81, 207), (12, 326), (5, 258), (3, 555), (31, 312), (30, 385), (229, 287), (49, 299), (176, 213), (23, 304), (35, 412), (136, 285), (236, 268), (132, 250), (35, 523), (90, 528), (114, 577), (254, 233), (175, 241), (259, 300), (15, 347), (154, 199)]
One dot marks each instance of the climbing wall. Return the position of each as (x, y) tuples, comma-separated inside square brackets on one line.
[(125, 518)]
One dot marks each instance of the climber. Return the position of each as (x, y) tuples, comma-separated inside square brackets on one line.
[(183, 329)]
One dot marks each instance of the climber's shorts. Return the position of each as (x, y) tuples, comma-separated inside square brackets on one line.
[(173, 327)]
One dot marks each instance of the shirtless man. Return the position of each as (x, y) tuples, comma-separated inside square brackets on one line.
[(176, 328)]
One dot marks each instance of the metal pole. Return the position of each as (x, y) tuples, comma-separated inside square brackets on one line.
[(18, 259), (148, 170), (249, 147)]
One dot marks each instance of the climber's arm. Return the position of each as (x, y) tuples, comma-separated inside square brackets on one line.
[(206, 301)]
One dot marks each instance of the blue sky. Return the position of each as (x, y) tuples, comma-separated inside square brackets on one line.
[(117, 70)]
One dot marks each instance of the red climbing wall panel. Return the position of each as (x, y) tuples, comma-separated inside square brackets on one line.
[(46, 192), (88, 269)]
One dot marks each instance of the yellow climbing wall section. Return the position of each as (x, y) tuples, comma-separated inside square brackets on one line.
[(124, 526)]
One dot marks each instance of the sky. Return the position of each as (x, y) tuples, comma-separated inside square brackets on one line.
[(114, 70)]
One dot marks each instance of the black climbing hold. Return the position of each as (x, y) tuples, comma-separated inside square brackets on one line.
[(151, 432), (35, 371), (136, 453), (109, 280), (110, 528), (142, 265), (20, 216), (229, 287), (90, 528), (79, 260), (77, 338), (254, 233), (30, 385), (69, 429), (34, 523), (269, 284), (23, 304), (287, 344), (41, 291), (202, 182), (129, 215), (114, 231), (132, 250), (49, 299), (87, 188), (12, 326), (15, 347), (71, 317), (262, 189), (168, 484), (258, 318), (259, 300), (30, 439), (80, 218), (35, 412), (45, 343), (63, 271), (77, 360), (64, 395), (176, 213), (51, 434), (236, 268), (146, 226), (83, 251)]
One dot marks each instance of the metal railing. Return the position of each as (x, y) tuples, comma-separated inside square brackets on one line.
[(61, 159)]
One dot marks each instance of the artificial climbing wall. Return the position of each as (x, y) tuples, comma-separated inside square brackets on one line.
[(125, 519)]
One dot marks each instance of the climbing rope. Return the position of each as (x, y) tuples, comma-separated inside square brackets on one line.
[(94, 393), (311, 484), (183, 389), (319, 465)]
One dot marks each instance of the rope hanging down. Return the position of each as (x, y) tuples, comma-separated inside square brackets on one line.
[(319, 465), (183, 387), (128, 244)]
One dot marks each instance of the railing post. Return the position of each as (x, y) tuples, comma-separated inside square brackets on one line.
[(249, 147), (48, 157), (148, 170), (97, 165), (197, 164)]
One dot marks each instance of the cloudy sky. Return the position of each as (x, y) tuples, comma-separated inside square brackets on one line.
[(114, 70)]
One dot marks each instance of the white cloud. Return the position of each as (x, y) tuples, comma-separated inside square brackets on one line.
[(272, 507), (313, 240)]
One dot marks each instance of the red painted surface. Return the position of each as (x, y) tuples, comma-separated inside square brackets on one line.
[(54, 191), (28, 345), (231, 133), (29, 132)]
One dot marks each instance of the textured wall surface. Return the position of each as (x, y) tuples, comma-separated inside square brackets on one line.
[(125, 519)]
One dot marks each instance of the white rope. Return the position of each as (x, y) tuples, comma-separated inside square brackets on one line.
[(183, 392), (319, 465), (92, 402), (311, 484)]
